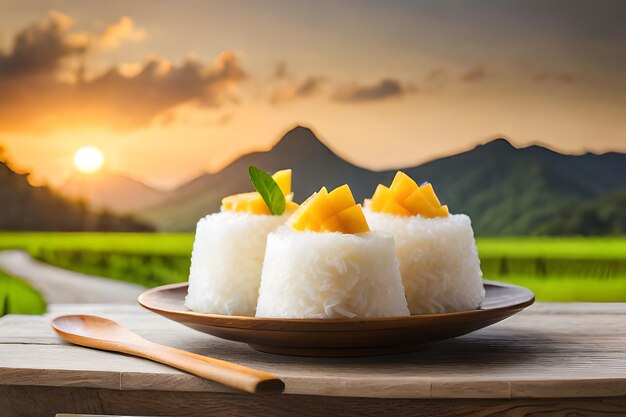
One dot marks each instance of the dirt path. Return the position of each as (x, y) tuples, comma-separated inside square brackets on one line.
[(59, 285)]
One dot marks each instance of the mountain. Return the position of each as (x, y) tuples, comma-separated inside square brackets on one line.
[(25, 207), (313, 162), (511, 191), (110, 191), (604, 215), (505, 190)]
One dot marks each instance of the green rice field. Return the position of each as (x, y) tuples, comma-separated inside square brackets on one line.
[(556, 269), (17, 297)]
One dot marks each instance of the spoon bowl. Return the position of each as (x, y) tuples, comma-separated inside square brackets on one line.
[(93, 328)]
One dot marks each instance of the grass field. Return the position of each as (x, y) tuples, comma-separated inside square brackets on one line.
[(142, 243), (181, 243), (17, 297), (556, 269)]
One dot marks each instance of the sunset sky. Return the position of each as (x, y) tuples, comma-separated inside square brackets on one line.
[(168, 90)]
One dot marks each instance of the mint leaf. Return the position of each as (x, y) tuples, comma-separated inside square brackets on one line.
[(269, 190)]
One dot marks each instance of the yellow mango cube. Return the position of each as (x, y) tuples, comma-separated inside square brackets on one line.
[(442, 211), (290, 205), (405, 198), (402, 186), (258, 206), (353, 220), (435, 212), (417, 202), (332, 224), (320, 208), (246, 202), (341, 198), (283, 179), (429, 192), (380, 197), (304, 221), (330, 212), (227, 205), (392, 206)]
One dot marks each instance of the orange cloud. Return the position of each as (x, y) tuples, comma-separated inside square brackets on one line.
[(382, 90), (34, 97), (281, 72), (40, 48), (477, 73), (562, 77), (306, 88), (435, 79), (119, 32)]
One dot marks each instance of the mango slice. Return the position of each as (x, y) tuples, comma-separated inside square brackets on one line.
[(283, 179), (330, 212), (353, 220), (332, 224), (405, 198), (380, 197), (319, 207), (427, 190), (253, 202), (341, 198), (394, 207), (402, 186)]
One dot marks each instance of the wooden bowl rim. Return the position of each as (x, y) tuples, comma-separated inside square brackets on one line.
[(144, 301)]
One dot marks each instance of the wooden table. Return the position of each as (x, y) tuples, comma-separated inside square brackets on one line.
[(555, 359)]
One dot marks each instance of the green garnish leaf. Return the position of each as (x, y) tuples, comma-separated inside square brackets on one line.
[(271, 193)]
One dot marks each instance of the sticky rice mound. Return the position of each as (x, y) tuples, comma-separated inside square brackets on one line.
[(227, 260), (330, 275), (438, 261)]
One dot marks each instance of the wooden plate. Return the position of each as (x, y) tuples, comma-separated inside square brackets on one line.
[(340, 337)]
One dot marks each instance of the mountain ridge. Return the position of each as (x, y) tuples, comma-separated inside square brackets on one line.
[(505, 189)]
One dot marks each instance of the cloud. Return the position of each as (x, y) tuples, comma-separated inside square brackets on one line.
[(41, 47), (435, 79), (33, 95), (561, 77), (435, 75), (477, 73), (308, 87), (160, 85), (124, 30), (224, 119), (281, 72), (382, 90)]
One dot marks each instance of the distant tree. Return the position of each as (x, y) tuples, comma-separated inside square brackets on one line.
[(603, 216), (25, 207)]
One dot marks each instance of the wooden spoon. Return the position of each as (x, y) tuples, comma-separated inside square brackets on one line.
[(100, 333)]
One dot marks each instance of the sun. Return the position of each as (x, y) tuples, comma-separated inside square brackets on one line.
[(88, 159)]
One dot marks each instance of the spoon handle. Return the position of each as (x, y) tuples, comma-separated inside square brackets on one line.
[(226, 373)]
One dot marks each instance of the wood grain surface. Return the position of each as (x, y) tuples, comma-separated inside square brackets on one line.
[(45, 401), (570, 357)]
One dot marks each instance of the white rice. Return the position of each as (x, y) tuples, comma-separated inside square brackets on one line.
[(330, 275), (438, 261), (227, 260)]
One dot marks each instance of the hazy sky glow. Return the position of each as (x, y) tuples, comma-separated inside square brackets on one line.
[(170, 89)]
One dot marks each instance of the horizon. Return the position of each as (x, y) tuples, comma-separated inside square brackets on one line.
[(106, 172), (384, 87)]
